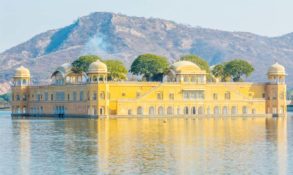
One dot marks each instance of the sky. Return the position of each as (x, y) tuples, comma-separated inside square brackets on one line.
[(22, 19)]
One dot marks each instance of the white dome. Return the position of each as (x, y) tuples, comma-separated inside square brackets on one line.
[(98, 67), (22, 72), (277, 69), (179, 64), (186, 67)]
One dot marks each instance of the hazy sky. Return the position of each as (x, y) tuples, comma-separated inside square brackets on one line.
[(22, 19)]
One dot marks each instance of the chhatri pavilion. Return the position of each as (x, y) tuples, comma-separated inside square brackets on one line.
[(185, 92)]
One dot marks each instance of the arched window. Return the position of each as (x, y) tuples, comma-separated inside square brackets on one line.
[(102, 111), (94, 96), (161, 110), (193, 79), (178, 111), (186, 110), (208, 111), (186, 79), (216, 110), (244, 110), (139, 110), (18, 82), (95, 78), (170, 110), (41, 110), (24, 110), (225, 110), (275, 110), (193, 110), (234, 110), (129, 112), (151, 110), (18, 110), (227, 95), (67, 79), (281, 110), (200, 110), (102, 95)]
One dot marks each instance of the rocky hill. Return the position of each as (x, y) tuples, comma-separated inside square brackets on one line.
[(118, 36)]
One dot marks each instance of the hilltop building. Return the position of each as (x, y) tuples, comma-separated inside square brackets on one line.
[(185, 92)]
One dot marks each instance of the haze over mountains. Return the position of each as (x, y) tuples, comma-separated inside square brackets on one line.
[(118, 36)]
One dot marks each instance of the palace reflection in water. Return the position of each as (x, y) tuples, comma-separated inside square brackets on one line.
[(151, 146)]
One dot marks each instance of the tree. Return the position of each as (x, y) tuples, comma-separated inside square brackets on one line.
[(237, 68), (83, 62), (116, 69), (151, 67), (203, 64), (218, 72)]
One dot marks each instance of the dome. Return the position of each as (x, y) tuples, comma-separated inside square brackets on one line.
[(186, 67), (180, 64), (277, 69), (22, 72), (98, 67), (64, 69)]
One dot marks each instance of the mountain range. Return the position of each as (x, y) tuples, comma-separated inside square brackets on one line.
[(111, 35)]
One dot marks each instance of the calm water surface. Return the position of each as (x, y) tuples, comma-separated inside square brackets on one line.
[(146, 146)]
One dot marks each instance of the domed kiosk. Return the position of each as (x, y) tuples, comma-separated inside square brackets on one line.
[(64, 75), (21, 77), (21, 82), (186, 71), (277, 73), (97, 72), (59, 75), (276, 90)]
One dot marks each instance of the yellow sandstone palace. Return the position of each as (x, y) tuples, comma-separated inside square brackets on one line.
[(184, 92)]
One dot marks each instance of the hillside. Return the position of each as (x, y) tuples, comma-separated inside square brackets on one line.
[(118, 36)]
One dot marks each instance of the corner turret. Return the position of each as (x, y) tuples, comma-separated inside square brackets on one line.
[(277, 73), (21, 77), (276, 91), (97, 72)]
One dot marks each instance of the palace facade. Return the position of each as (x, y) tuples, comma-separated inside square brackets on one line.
[(184, 92)]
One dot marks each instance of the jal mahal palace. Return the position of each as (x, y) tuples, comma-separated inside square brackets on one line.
[(185, 92)]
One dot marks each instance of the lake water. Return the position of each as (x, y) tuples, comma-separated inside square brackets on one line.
[(146, 146)]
